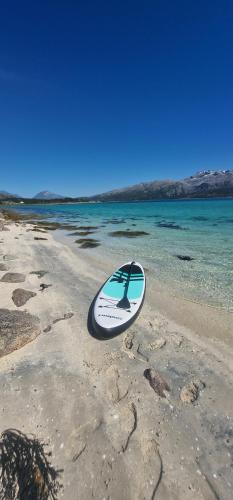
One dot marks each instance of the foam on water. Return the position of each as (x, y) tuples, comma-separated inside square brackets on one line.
[(201, 229)]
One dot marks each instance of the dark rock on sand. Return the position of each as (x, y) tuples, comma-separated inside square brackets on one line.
[(21, 296), (13, 278), (156, 381), (40, 274), (37, 230), (3, 267), (17, 328), (9, 257), (184, 257), (128, 233), (43, 286), (38, 238)]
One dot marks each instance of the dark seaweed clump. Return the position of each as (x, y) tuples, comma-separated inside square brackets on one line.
[(26, 472), (128, 233)]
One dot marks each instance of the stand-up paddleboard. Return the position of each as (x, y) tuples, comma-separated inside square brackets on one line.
[(119, 300)]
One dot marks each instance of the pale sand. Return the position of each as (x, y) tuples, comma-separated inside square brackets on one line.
[(112, 435)]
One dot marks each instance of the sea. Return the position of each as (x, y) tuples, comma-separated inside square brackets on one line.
[(201, 230)]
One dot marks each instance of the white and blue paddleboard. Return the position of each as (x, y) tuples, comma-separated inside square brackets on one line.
[(119, 300)]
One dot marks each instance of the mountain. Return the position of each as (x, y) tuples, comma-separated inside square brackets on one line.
[(47, 195), (204, 184), (5, 194)]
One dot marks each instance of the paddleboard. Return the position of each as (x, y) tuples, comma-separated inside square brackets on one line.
[(119, 300)]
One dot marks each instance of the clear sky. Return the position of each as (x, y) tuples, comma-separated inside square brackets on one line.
[(96, 95)]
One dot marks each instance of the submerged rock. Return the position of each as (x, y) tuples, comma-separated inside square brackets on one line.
[(128, 234), (17, 328), (13, 278), (21, 296), (184, 257), (87, 243), (87, 228), (171, 225), (81, 233)]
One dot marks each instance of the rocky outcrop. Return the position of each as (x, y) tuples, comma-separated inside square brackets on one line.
[(17, 328)]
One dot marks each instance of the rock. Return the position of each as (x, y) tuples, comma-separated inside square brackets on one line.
[(17, 328), (43, 286), (171, 225), (184, 257), (21, 296), (128, 234), (87, 228), (157, 382), (40, 274), (9, 257), (81, 233), (190, 392), (87, 242), (3, 267), (157, 344), (13, 278), (37, 238)]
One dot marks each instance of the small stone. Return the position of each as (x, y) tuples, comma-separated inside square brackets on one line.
[(157, 344), (190, 392), (21, 296), (13, 278), (157, 382)]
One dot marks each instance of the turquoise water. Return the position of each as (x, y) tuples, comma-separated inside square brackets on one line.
[(201, 229)]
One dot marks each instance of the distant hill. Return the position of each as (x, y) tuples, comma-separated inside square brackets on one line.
[(47, 195), (204, 184), (5, 194)]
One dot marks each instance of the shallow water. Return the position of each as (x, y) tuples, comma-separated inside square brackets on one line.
[(201, 229)]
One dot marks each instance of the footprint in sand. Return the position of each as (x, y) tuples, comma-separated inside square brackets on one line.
[(117, 387)]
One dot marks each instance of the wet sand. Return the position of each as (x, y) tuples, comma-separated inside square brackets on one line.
[(114, 432)]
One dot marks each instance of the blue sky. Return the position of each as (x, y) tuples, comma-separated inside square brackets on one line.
[(96, 95)]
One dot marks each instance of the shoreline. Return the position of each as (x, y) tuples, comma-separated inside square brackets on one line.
[(106, 427)]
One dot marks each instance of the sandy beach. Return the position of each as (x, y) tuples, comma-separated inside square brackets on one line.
[(112, 432)]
